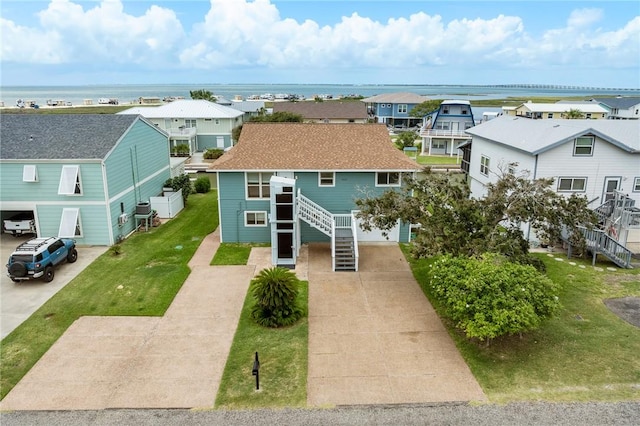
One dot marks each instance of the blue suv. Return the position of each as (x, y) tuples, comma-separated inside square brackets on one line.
[(38, 257)]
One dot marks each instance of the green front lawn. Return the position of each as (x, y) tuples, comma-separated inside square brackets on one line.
[(142, 280), (585, 353), (438, 160), (283, 363)]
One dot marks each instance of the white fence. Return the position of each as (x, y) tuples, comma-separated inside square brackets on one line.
[(169, 205)]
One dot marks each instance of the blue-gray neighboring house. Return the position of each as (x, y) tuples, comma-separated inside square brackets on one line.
[(444, 130), (393, 109), (81, 176), (292, 183)]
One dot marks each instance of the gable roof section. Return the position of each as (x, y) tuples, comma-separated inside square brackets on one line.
[(186, 108), (396, 98), (537, 136), (61, 136), (623, 102), (314, 146), (322, 110)]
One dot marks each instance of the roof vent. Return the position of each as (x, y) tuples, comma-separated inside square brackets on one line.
[(30, 138)]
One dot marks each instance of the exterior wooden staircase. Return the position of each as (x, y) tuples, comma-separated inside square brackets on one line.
[(340, 227)]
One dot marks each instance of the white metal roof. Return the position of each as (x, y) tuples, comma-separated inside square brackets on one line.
[(186, 108), (536, 136), (396, 98), (583, 107)]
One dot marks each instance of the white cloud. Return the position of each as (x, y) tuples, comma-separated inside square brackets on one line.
[(69, 33), (244, 34)]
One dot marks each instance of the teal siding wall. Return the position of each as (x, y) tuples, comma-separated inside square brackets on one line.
[(93, 220), (211, 141), (136, 170), (46, 189), (338, 199)]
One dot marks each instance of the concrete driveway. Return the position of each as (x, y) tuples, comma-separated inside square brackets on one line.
[(374, 337), (19, 300), (173, 361)]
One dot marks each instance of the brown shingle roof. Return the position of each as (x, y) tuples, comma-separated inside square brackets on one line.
[(314, 146), (321, 110)]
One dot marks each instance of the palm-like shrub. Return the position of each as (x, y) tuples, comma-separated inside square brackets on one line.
[(275, 291)]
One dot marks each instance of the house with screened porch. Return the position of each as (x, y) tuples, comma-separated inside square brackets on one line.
[(81, 176), (293, 183)]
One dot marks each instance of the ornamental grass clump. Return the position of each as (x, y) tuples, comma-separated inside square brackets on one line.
[(275, 291), (488, 297)]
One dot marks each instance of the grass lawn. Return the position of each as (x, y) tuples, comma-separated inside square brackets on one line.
[(585, 353), (234, 253), (142, 280), (283, 363), (438, 160)]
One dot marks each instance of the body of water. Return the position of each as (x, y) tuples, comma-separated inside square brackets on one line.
[(126, 93)]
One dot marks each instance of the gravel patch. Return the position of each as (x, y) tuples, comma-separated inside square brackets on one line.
[(601, 414), (627, 308)]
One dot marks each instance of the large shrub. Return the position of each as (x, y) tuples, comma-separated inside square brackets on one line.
[(212, 153), (491, 297), (202, 185), (275, 291), (180, 182)]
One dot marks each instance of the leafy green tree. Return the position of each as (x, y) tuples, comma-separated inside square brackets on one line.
[(202, 94), (406, 139), (573, 114), (279, 117), (275, 291), (488, 297), (425, 108), (451, 222)]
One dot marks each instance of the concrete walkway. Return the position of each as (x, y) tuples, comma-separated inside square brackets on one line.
[(174, 361), (374, 337)]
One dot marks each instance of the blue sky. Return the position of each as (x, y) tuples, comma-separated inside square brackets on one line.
[(68, 42)]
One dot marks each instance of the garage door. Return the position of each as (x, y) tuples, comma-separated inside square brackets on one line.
[(375, 235)]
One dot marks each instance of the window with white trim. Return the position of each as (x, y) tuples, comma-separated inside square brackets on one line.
[(70, 225), (326, 179), (636, 185), (255, 218), (572, 184), (402, 108), (29, 173), (485, 163), (190, 123), (583, 146), (258, 184), (70, 181), (387, 179)]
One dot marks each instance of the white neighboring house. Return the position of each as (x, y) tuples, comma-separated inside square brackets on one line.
[(594, 158), (199, 124)]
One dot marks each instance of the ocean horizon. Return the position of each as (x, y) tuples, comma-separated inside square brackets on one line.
[(129, 93)]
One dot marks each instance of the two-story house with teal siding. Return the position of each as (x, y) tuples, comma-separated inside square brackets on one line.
[(292, 183), (394, 109), (198, 123), (81, 176), (445, 128)]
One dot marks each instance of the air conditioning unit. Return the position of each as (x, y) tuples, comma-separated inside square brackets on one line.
[(123, 218)]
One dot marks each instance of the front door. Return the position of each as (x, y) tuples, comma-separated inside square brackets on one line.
[(285, 245), (611, 184)]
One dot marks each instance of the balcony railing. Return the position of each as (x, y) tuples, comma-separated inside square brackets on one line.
[(181, 131), (444, 133)]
